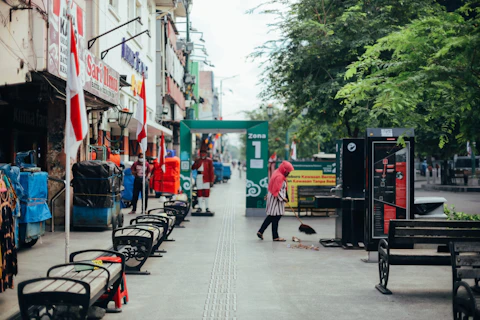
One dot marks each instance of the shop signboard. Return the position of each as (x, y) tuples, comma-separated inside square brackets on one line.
[(310, 174), (98, 78)]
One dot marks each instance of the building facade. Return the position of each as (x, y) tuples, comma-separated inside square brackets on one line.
[(33, 78)]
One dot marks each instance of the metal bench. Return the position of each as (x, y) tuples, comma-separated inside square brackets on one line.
[(404, 234), (182, 207), (306, 196), (170, 214), (466, 266), (70, 289), (155, 220), (137, 242)]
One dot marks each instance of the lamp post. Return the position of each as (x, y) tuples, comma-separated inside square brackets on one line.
[(270, 111), (221, 92), (124, 117)]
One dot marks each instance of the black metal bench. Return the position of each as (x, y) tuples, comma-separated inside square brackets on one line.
[(155, 220), (306, 196), (466, 266), (137, 243), (70, 289), (404, 234), (182, 207), (170, 214)]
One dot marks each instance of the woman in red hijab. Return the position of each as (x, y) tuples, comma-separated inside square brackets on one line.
[(276, 198)]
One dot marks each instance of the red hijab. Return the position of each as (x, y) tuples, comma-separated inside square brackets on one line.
[(278, 177)]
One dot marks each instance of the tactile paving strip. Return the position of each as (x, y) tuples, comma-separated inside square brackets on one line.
[(221, 302)]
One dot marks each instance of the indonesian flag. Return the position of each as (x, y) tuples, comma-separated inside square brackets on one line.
[(293, 151), (273, 157), (162, 153), (141, 116), (77, 130)]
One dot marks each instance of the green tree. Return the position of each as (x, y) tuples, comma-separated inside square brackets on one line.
[(426, 75), (319, 40)]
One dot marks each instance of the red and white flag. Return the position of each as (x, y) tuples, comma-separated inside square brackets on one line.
[(141, 116), (162, 153), (293, 151), (77, 130)]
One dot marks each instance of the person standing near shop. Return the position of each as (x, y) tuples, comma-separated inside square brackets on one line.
[(205, 179), (138, 186), (276, 198)]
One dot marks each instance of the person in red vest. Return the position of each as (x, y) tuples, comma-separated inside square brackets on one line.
[(205, 176)]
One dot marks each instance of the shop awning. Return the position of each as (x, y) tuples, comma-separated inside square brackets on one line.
[(153, 129)]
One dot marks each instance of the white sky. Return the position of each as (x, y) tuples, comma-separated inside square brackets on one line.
[(230, 36)]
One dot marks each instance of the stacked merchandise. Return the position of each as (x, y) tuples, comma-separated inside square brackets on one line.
[(96, 194), (34, 208), (168, 182), (8, 250), (13, 174)]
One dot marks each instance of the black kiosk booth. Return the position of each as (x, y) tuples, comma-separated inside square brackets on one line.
[(389, 181)]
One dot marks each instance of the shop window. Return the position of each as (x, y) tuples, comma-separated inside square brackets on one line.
[(113, 5), (149, 39)]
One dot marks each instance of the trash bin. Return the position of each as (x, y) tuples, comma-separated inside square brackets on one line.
[(96, 194)]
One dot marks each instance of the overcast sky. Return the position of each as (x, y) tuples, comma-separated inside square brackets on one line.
[(230, 36)]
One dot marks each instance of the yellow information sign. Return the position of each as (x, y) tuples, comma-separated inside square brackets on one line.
[(307, 178)]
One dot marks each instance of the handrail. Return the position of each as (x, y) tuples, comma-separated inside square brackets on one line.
[(55, 197)]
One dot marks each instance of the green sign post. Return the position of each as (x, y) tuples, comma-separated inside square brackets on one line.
[(257, 156)]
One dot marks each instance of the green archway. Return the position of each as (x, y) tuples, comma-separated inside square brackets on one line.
[(257, 156)]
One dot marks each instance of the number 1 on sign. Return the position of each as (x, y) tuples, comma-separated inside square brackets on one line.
[(258, 149)]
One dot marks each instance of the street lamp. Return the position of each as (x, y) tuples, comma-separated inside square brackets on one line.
[(124, 117), (221, 91), (270, 110)]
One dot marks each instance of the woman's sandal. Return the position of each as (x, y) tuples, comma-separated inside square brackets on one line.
[(279, 240), (260, 235)]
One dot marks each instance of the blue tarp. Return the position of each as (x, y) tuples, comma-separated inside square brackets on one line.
[(128, 178), (227, 171), (13, 173), (218, 167), (34, 206)]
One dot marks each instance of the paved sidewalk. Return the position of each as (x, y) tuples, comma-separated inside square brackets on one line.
[(218, 268)]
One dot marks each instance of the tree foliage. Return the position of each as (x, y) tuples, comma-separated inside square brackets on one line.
[(425, 75), (361, 63)]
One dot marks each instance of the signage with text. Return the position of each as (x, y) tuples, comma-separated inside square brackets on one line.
[(97, 77)]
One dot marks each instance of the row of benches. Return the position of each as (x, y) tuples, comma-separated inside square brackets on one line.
[(92, 278), (437, 243)]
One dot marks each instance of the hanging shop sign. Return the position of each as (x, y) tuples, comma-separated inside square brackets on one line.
[(101, 80), (98, 78), (133, 59)]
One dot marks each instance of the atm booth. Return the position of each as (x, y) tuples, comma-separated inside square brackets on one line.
[(375, 183), (389, 181)]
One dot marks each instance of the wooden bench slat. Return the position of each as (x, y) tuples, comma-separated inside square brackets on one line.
[(434, 240), (418, 252), (437, 232), (467, 246), (468, 261), (435, 223), (468, 273)]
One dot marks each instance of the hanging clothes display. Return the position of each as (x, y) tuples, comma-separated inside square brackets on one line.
[(8, 251)]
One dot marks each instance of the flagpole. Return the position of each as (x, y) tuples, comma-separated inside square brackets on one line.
[(67, 143), (144, 193)]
